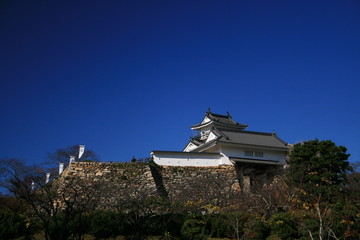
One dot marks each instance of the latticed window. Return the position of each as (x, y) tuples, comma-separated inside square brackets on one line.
[(249, 153), (252, 154), (204, 135)]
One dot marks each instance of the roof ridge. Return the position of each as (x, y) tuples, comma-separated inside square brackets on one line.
[(276, 136), (219, 132), (218, 115)]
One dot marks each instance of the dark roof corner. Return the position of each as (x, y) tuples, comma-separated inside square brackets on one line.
[(282, 141), (220, 120)]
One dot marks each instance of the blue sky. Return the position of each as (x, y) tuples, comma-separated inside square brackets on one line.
[(128, 77)]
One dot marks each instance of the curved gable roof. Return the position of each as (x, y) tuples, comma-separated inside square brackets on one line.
[(218, 120)]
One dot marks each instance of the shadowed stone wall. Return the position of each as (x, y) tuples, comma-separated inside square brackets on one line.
[(195, 183), (117, 183), (112, 183)]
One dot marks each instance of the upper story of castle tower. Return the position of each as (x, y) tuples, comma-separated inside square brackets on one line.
[(217, 128), (213, 120), (223, 141)]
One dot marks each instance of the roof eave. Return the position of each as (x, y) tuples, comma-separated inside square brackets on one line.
[(205, 146), (257, 161), (201, 125)]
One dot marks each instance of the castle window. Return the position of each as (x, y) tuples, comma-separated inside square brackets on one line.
[(249, 153), (259, 154), (204, 135)]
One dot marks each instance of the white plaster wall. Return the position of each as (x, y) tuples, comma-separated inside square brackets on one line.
[(240, 153), (204, 134), (195, 160), (189, 147), (211, 136), (275, 155), (205, 120), (225, 160)]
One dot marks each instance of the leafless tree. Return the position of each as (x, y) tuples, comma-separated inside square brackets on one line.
[(62, 155), (55, 203)]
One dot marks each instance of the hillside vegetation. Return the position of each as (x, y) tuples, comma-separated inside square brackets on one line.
[(316, 197)]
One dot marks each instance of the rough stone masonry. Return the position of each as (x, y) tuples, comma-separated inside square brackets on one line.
[(114, 183)]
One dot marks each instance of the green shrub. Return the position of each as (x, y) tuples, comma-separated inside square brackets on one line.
[(260, 230), (79, 225), (193, 229), (273, 237), (216, 226), (105, 224), (59, 227), (163, 224), (230, 225), (344, 221), (235, 223), (255, 228), (12, 225), (284, 225)]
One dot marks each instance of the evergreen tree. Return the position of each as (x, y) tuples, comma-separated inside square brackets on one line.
[(318, 167)]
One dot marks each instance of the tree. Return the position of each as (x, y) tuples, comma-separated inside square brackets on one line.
[(353, 186), (56, 204), (318, 169), (62, 155)]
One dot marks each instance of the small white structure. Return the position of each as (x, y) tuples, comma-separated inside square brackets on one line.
[(81, 151), (47, 178), (72, 159), (61, 168), (222, 141)]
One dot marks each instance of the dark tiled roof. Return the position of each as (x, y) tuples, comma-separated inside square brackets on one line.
[(222, 118), (256, 161), (197, 141), (205, 146), (222, 121), (251, 138)]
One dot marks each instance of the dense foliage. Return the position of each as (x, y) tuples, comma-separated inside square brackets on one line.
[(318, 168), (316, 198), (13, 225)]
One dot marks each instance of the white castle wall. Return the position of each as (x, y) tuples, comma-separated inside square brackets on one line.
[(186, 159), (239, 152)]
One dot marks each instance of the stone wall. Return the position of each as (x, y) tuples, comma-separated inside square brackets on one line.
[(194, 183), (117, 183), (111, 183)]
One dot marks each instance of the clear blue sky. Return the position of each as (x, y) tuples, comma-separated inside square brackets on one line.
[(128, 77)]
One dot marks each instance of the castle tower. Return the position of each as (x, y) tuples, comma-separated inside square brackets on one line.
[(223, 141)]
